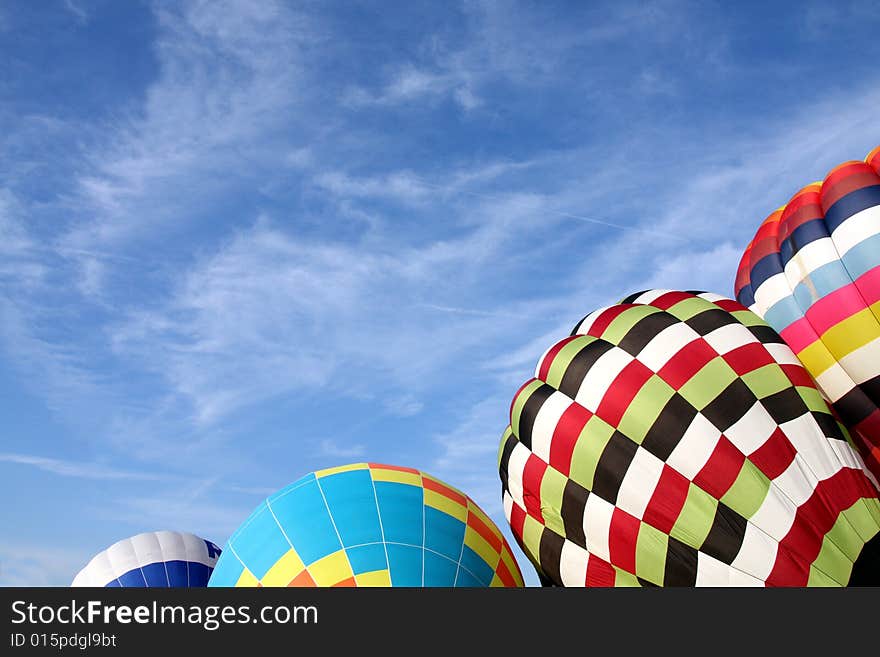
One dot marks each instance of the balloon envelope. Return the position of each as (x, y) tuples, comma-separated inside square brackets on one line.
[(812, 272), (674, 439), (367, 525), (152, 559)]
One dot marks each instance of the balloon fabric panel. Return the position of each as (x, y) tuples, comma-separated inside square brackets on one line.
[(152, 559), (674, 439), (812, 272), (367, 525)]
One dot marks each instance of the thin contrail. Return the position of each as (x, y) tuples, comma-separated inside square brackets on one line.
[(559, 213)]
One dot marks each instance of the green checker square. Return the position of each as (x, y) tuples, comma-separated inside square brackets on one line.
[(708, 383), (645, 407), (766, 380), (532, 530), (864, 516), (624, 579), (508, 432), (833, 560), (521, 400), (552, 488), (651, 546), (563, 359), (696, 517), (748, 318), (748, 492), (813, 399), (621, 324), (690, 307), (818, 578), (589, 447), (848, 532)]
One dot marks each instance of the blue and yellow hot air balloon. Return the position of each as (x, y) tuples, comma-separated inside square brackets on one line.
[(152, 559), (367, 524)]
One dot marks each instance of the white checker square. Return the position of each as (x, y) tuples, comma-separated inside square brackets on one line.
[(695, 447), (573, 565), (597, 526), (752, 430), (666, 344), (639, 483), (600, 377), (545, 424)]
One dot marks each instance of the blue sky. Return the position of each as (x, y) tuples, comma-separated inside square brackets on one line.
[(242, 241)]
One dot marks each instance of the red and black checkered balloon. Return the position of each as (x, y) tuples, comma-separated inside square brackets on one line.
[(675, 439)]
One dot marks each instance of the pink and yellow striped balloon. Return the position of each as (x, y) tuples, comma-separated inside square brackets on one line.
[(812, 271)]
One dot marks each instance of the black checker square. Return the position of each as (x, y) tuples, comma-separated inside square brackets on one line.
[(785, 405), (582, 362), (709, 320), (726, 536), (645, 330), (530, 412), (574, 504), (669, 427), (612, 466), (731, 405)]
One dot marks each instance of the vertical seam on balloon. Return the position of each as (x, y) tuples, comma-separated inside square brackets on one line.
[(381, 525), (333, 522), (461, 552)]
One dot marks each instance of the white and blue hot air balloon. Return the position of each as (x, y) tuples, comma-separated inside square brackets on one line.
[(152, 559)]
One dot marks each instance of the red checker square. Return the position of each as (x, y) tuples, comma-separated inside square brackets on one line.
[(668, 299), (729, 305), (533, 474), (517, 520), (606, 317), (622, 537), (842, 489), (748, 358), (721, 470), (798, 375), (600, 573), (565, 436), (775, 455), (622, 391), (788, 570), (668, 500), (686, 363)]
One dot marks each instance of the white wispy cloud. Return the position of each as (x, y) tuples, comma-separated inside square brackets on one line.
[(39, 564), (228, 74), (332, 449), (78, 469), (81, 15)]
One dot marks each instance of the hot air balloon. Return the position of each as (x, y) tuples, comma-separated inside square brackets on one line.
[(675, 440), (152, 559), (812, 272), (367, 524)]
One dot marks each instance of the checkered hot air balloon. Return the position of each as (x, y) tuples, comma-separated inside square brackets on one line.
[(368, 524), (812, 272), (152, 559), (674, 439)]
